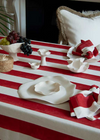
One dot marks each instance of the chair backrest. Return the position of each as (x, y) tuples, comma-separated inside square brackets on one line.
[(63, 39)]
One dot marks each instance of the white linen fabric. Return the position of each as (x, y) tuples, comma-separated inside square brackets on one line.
[(79, 28)]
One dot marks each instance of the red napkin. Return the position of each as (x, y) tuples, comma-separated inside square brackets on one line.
[(86, 104), (88, 54)]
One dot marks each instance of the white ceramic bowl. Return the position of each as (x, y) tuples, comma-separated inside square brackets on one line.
[(12, 49), (47, 87), (78, 66), (34, 65)]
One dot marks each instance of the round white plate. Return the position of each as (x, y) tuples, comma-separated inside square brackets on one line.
[(26, 91)]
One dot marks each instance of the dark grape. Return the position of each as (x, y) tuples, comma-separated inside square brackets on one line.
[(30, 51), (27, 40), (25, 52), (15, 37), (13, 41), (21, 39), (22, 47), (29, 47), (13, 32), (26, 49)]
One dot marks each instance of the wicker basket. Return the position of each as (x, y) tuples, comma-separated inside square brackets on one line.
[(6, 63)]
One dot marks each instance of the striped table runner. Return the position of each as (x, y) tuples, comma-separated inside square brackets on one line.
[(32, 120)]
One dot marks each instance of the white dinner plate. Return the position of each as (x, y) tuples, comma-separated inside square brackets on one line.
[(26, 91)]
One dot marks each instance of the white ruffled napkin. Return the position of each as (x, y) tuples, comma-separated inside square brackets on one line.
[(86, 104)]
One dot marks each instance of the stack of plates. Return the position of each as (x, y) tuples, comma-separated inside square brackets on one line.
[(54, 89)]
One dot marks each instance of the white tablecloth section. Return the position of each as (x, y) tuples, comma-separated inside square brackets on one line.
[(31, 120)]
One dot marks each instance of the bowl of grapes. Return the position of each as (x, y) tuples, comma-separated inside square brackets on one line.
[(14, 43)]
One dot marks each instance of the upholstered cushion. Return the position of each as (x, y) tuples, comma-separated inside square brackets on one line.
[(75, 26)]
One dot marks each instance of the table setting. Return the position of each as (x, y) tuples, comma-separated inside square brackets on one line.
[(53, 88)]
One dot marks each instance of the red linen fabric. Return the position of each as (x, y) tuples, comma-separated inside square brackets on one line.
[(79, 101), (80, 49)]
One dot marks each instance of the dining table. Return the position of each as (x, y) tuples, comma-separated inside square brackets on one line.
[(36, 119)]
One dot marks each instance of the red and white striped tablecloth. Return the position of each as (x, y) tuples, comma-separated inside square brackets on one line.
[(31, 120)]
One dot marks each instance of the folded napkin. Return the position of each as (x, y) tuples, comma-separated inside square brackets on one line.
[(86, 104), (86, 49)]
